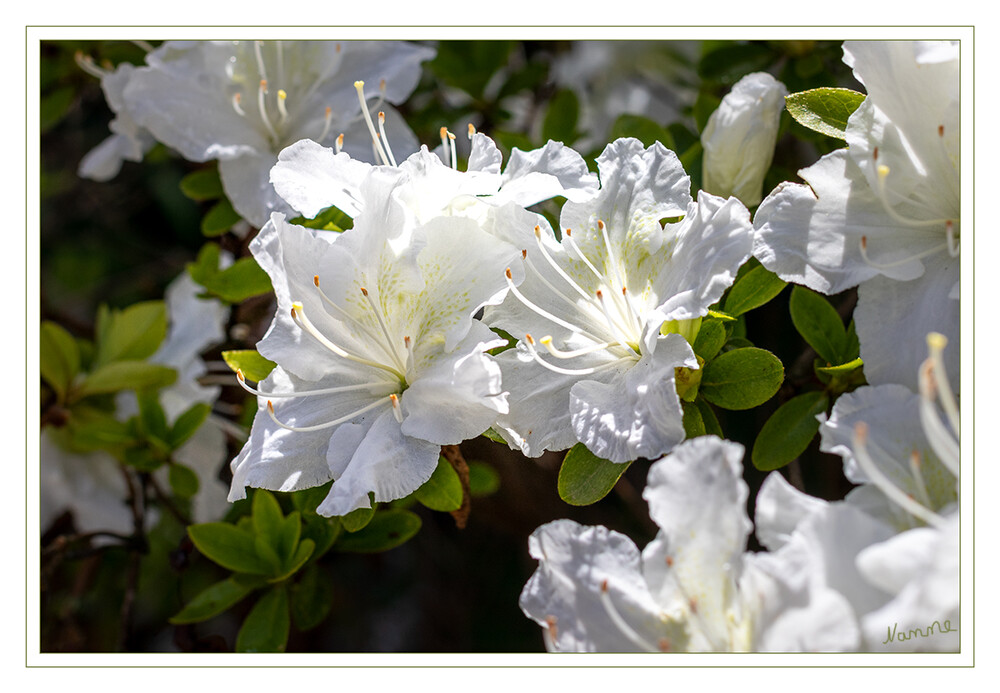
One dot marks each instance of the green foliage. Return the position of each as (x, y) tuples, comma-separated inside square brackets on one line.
[(469, 65), (219, 218), (203, 184), (311, 598), (132, 334), (387, 529), (727, 62), (217, 598), (483, 479), (187, 423), (358, 519), (330, 219), (585, 478), (234, 284), (820, 325), (561, 117), (752, 289), (711, 336), (741, 378), (443, 491), (266, 627), (60, 358), (183, 480), (788, 432), (824, 110), (125, 375), (254, 366)]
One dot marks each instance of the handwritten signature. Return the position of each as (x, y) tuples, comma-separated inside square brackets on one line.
[(903, 636)]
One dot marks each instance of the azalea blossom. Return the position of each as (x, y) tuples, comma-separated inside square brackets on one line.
[(311, 177), (242, 102), (739, 138), (600, 313), (693, 588), (128, 141), (884, 213), (379, 360)]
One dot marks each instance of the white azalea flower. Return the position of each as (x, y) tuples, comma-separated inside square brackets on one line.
[(242, 102), (600, 313), (91, 485), (128, 141), (693, 588), (379, 360), (311, 177), (882, 214), (740, 136)]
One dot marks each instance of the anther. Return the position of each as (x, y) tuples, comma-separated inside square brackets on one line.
[(359, 86), (282, 95), (385, 140), (940, 130), (327, 121), (237, 98), (396, 411), (340, 143), (472, 130)]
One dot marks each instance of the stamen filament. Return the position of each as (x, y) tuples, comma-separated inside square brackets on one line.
[(396, 411), (612, 258), (299, 316), (385, 140), (87, 64), (884, 484), (359, 86), (237, 98), (942, 442), (262, 107), (385, 330), (883, 173), (530, 346), (454, 156), (896, 263), (371, 387), (559, 354), (260, 60), (282, 95), (444, 143), (616, 329), (621, 624), (936, 342), (918, 478), (327, 120), (328, 424), (544, 313), (559, 270)]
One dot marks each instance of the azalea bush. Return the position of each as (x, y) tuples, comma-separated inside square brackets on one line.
[(411, 346)]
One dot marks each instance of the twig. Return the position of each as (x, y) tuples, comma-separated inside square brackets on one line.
[(457, 461)]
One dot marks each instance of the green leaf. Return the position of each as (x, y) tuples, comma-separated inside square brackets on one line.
[(585, 478), (322, 531), (151, 414), (60, 357), (841, 370), (358, 519), (443, 491), (711, 421), (188, 423), (90, 429), (311, 597), (268, 528), (201, 185), (265, 628), (183, 480), (219, 219), (787, 433), (254, 366), (126, 375), (711, 337), (132, 334), (229, 546), (494, 436), (238, 282), (214, 600), (330, 219), (143, 458), (741, 378), (694, 423), (54, 106), (642, 128), (483, 479), (288, 538), (728, 61), (561, 117), (824, 110), (388, 529), (469, 65), (752, 290), (819, 324), (303, 552)]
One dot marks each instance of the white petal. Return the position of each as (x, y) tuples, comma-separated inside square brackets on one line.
[(564, 594), (893, 319), (310, 178), (779, 509), (697, 497), (635, 413), (554, 170)]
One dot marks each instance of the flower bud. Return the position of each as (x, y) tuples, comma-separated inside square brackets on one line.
[(740, 136)]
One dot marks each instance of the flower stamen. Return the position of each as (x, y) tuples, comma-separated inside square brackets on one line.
[(896, 263), (329, 424), (621, 624), (385, 140), (262, 107), (327, 120), (529, 343), (385, 330), (371, 387), (359, 86), (299, 316), (544, 313)]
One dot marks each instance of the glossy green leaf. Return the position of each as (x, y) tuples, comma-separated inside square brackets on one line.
[(741, 378), (693, 421), (824, 110), (183, 480), (213, 600), (789, 430), (443, 491), (303, 552), (311, 598), (841, 370), (752, 290), (585, 478), (708, 417), (265, 628), (126, 375), (238, 282), (494, 436), (322, 531), (229, 546), (220, 218), (60, 357), (330, 219), (388, 529), (151, 414), (711, 337), (819, 324), (254, 366), (357, 519), (201, 185)]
